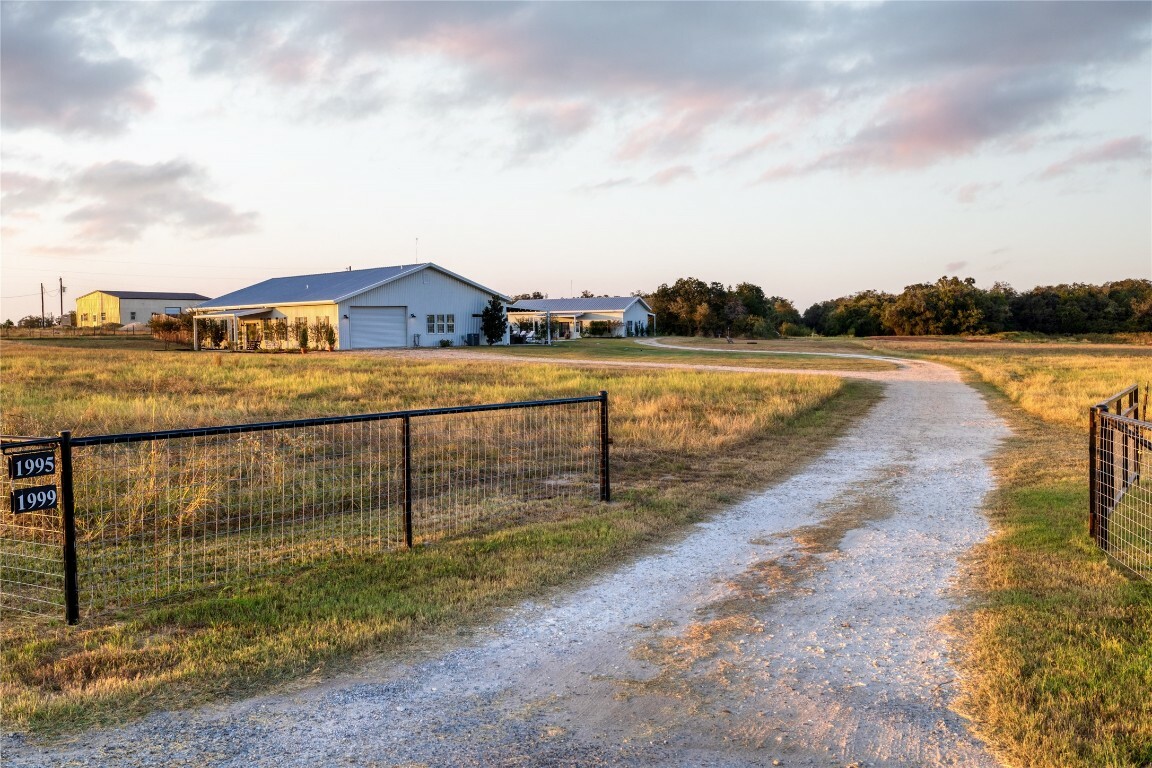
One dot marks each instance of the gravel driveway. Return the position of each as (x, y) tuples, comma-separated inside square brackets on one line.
[(799, 628)]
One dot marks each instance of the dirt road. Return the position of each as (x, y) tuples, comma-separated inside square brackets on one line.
[(801, 626)]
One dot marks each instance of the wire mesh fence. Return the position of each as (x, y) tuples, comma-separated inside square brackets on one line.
[(159, 513), (31, 542), (1120, 481)]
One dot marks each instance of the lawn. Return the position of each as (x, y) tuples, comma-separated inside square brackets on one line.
[(747, 429), (742, 353)]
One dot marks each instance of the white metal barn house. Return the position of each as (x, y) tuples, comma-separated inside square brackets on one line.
[(410, 305)]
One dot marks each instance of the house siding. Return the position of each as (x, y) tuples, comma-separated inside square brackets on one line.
[(427, 292), (119, 311)]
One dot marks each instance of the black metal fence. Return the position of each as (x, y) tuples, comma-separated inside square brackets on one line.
[(111, 521), (1120, 480)]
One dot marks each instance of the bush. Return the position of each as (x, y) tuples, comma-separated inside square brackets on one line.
[(596, 328), (171, 328), (300, 329), (445, 342), (792, 329)]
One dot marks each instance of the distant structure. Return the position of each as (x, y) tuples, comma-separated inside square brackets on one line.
[(122, 307), (573, 318), (408, 305)]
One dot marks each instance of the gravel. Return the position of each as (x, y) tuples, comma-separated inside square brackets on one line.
[(801, 627)]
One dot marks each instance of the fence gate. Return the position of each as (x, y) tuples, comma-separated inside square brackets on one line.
[(1120, 480), (101, 522), (37, 529)]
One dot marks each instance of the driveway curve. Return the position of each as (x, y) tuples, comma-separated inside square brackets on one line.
[(801, 627)]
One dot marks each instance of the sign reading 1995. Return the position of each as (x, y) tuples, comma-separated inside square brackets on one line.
[(32, 464)]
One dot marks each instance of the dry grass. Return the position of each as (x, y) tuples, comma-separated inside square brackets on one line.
[(1058, 649), (1054, 382), (748, 430), (699, 351)]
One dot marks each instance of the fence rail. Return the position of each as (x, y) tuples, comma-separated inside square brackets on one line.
[(140, 516), (1120, 480)]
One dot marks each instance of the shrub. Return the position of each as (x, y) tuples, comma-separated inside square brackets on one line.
[(172, 328), (792, 329)]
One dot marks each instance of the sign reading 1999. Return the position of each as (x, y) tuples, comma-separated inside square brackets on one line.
[(33, 464), (33, 499)]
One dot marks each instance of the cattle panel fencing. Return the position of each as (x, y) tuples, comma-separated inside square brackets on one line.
[(103, 522), (1120, 480)]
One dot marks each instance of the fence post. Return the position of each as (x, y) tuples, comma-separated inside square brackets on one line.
[(605, 441), (1106, 461), (68, 519), (1092, 503), (407, 453)]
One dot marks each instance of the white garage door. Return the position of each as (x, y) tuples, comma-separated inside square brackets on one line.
[(378, 327)]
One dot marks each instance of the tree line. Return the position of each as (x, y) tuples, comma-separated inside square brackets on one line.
[(949, 306)]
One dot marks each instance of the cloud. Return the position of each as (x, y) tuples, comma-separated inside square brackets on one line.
[(884, 87), (620, 182), (671, 175), (53, 77), (544, 126), (1129, 149), (939, 80), (955, 266), (21, 191), (968, 193), (126, 199)]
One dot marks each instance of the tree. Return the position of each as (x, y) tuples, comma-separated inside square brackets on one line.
[(172, 329), (493, 321), (36, 321), (533, 295)]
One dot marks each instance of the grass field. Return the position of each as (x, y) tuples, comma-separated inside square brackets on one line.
[(747, 429), (740, 353), (1058, 651)]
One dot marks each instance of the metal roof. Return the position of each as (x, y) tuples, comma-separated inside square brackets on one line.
[(328, 287), (151, 295), (597, 304)]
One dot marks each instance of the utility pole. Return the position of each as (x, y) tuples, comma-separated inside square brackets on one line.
[(42, 305), (61, 301)]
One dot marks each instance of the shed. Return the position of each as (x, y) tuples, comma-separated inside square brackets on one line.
[(409, 305), (98, 308)]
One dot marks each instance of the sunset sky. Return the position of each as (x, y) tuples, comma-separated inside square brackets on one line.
[(813, 149)]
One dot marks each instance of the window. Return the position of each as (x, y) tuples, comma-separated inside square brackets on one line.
[(171, 310), (84, 317), (132, 315), (441, 324), (102, 317)]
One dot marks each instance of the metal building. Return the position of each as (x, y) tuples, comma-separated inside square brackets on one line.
[(409, 305)]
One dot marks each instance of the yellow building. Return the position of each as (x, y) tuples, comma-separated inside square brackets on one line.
[(123, 307)]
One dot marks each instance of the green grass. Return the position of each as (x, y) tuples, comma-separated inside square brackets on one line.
[(1058, 648), (747, 429), (742, 353)]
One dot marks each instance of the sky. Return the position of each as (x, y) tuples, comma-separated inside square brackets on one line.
[(813, 149)]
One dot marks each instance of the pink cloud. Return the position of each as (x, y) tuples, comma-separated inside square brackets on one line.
[(1128, 149), (679, 128), (766, 141), (968, 193), (671, 175)]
